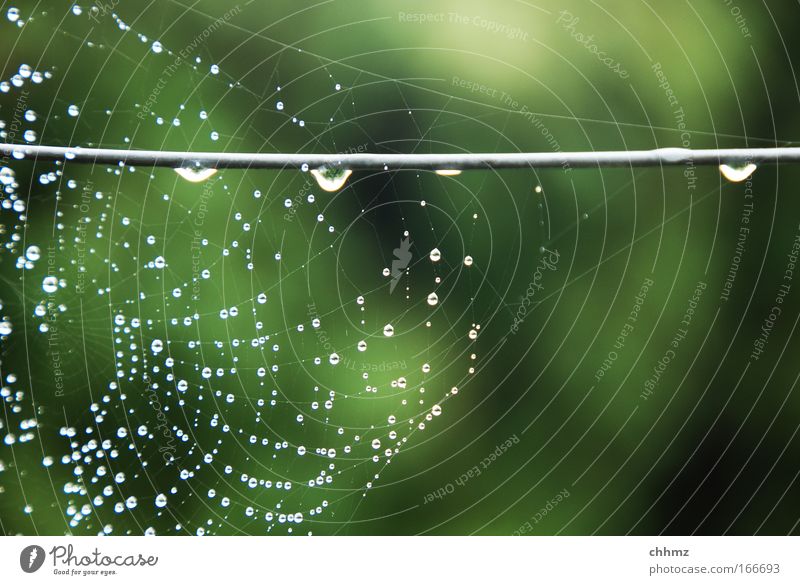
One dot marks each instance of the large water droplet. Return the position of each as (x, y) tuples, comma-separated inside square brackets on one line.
[(7, 176), (468, 261), (448, 172), (195, 174), (5, 328), (50, 284), (737, 173), (331, 178), (435, 255), (433, 299), (388, 331), (33, 253)]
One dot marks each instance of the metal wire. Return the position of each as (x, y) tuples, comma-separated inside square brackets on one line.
[(365, 161)]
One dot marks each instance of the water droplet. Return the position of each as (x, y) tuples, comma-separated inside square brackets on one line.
[(7, 176), (448, 172), (435, 255), (468, 261), (334, 359), (5, 328), (331, 178), (50, 284), (195, 174), (388, 331), (737, 173), (161, 501), (279, 105), (433, 299), (13, 14), (376, 443), (362, 345), (73, 111), (33, 253), (157, 47), (436, 410), (473, 334)]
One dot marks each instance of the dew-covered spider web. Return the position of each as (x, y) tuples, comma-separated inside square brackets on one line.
[(310, 351)]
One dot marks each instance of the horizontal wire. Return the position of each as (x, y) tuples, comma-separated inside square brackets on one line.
[(367, 161)]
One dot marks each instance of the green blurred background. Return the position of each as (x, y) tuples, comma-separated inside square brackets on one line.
[(582, 283)]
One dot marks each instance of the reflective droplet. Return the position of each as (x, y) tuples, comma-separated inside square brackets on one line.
[(157, 47), (50, 284), (362, 345), (737, 173), (433, 299), (195, 174), (448, 172), (7, 176), (436, 410), (5, 328), (330, 178), (33, 253), (388, 331), (73, 111), (468, 261), (334, 359), (435, 255)]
